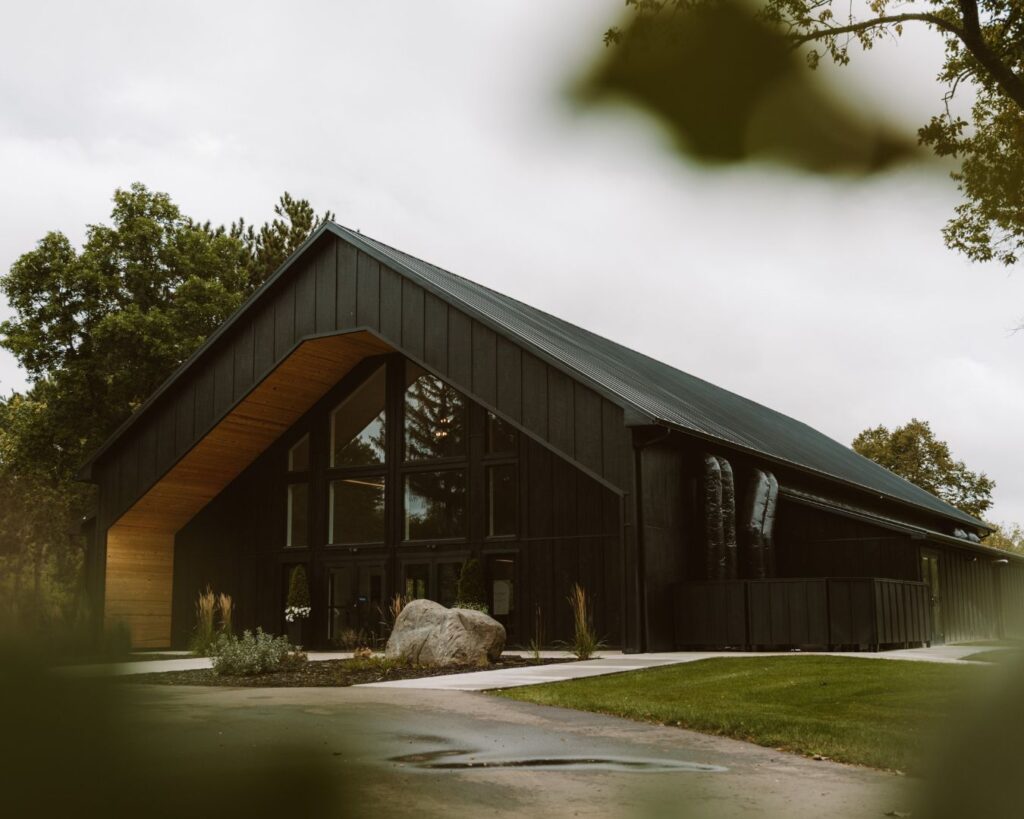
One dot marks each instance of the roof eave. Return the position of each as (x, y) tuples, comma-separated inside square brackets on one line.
[(961, 518)]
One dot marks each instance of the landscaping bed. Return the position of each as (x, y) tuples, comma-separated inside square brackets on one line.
[(880, 713), (328, 673)]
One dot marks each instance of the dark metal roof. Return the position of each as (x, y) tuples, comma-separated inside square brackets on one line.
[(655, 391), (661, 392)]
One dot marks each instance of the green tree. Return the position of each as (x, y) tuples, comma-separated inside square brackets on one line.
[(298, 588), (97, 329), (721, 73), (913, 452), (1008, 536), (268, 247)]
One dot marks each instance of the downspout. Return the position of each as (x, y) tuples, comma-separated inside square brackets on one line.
[(639, 578)]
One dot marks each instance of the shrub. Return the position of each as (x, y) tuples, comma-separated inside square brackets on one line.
[(584, 639), (205, 634), (253, 654), (462, 604), (350, 638), (389, 614), (298, 606), (470, 593)]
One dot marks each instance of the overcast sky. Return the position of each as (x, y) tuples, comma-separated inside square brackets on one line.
[(445, 132)]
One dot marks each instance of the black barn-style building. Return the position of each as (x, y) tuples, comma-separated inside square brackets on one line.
[(379, 420)]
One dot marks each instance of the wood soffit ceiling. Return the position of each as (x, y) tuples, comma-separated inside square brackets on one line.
[(276, 403)]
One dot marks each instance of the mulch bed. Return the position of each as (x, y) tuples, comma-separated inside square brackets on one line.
[(322, 673)]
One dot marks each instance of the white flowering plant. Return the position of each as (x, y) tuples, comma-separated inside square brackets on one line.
[(298, 605)]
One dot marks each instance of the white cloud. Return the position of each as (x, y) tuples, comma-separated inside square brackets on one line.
[(442, 129)]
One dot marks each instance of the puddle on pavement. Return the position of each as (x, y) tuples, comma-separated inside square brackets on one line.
[(442, 761)]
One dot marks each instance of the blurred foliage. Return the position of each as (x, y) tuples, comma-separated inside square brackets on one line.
[(98, 330), (72, 749), (913, 452), (730, 87), (977, 769), (723, 75)]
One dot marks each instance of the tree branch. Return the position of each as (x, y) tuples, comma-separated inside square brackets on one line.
[(970, 34), (875, 22), (973, 38)]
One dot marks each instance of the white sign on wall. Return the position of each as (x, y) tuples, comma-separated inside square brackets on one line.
[(502, 594)]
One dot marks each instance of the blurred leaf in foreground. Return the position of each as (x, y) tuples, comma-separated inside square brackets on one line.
[(723, 75), (730, 87)]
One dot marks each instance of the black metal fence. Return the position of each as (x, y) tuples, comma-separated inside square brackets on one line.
[(845, 613)]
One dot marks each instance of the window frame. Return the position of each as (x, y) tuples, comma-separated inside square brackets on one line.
[(295, 477)]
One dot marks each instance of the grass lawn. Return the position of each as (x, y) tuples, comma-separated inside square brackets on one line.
[(880, 713), (996, 655)]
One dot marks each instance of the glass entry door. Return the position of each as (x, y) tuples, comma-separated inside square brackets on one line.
[(930, 575), (356, 602), (434, 578), (501, 592)]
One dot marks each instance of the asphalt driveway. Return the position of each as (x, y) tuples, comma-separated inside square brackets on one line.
[(401, 752)]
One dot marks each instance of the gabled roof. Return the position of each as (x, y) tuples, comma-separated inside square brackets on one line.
[(655, 392), (662, 393)]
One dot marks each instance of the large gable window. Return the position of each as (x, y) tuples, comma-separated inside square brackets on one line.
[(297, 529), (358, 446), (435, 505), (435, 418), (358, 425), (356, 510)]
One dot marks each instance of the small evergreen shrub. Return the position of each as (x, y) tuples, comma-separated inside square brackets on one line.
[(253, 654), (470, 591), (298, 606)]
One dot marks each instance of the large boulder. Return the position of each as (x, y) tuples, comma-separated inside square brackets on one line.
[(426, 633)]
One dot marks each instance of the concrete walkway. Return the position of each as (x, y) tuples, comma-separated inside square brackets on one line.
[(607, 662), (186, 663), (615, 662)]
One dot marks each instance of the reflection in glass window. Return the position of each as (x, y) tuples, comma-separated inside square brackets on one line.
[(298, 456), (357, 425), (435, 417), (448, 583), (501, 500), (356, 510), (416, 579), (298, 515), (435, 505), (501, 437)]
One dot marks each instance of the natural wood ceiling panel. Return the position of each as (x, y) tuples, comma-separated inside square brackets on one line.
[(140, 545), (294, 386)]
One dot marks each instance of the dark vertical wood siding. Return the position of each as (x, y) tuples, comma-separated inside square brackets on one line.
[(967, 594), (243, 361), (664, 527), (812, 542), (569, 533), (333, 309), (1010, 583), (367, 285), (336, 286), (509, 376)]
